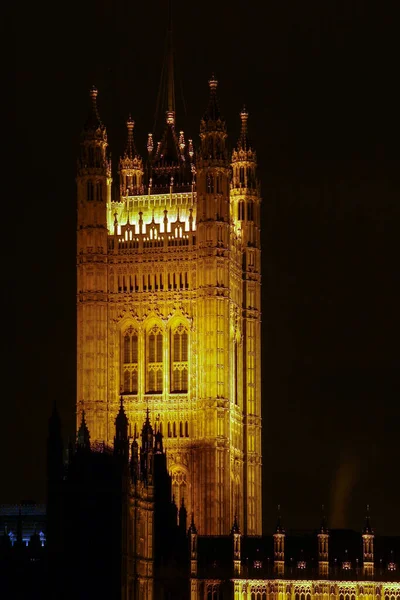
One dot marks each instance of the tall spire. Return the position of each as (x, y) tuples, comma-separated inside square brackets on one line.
[(170, 161), (324, 527), (170, 71), (279, 528), (367, 525)]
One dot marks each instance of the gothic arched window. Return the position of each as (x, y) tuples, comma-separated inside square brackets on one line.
[(99, 191), (90, 190), (130, 361), (250, 211), (179, 359), (179, 486), (154, 361)]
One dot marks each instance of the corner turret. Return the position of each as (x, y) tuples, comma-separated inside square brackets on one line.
[(245, 192), (212, 163), (130, 166), (94, 199)]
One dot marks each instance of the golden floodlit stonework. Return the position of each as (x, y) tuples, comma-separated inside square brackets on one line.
[(168, 308)]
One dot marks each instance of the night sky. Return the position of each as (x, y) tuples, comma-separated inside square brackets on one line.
[(320, 81)]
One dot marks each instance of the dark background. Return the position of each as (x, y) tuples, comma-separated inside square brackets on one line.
[(320, 80)]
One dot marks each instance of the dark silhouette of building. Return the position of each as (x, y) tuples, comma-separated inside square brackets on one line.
[(114, 529)]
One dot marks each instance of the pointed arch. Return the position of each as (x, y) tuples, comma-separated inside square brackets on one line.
[(179, 355), (129, 358)]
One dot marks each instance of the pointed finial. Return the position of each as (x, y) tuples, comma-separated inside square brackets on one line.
[(181, 141), (192, 527), (213, 83), (83, 437), (235, 526), (130, 150), (279, 528), (323, 528), (150, 144), (93, 92), (93, 125), (243, 142), (121, 419), (367, 526)]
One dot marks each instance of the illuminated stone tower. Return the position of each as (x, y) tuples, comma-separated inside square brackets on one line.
[(169, 306), (245, 202)]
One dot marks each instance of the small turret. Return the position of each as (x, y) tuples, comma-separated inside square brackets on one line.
[(213, 170), (183, 517), (131, 166), (368, 547), (244, 161), (158, 446), (279, 546), (213, 129), (245, 196), (121, 438), (147, 451), (323, 543), (93, 159), (134, 462), (192, 533), (236, 536), (83, 435)]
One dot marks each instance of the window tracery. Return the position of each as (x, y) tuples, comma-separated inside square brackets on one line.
[(130, 361), (179, 359), (179, 486), (154, 360)]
